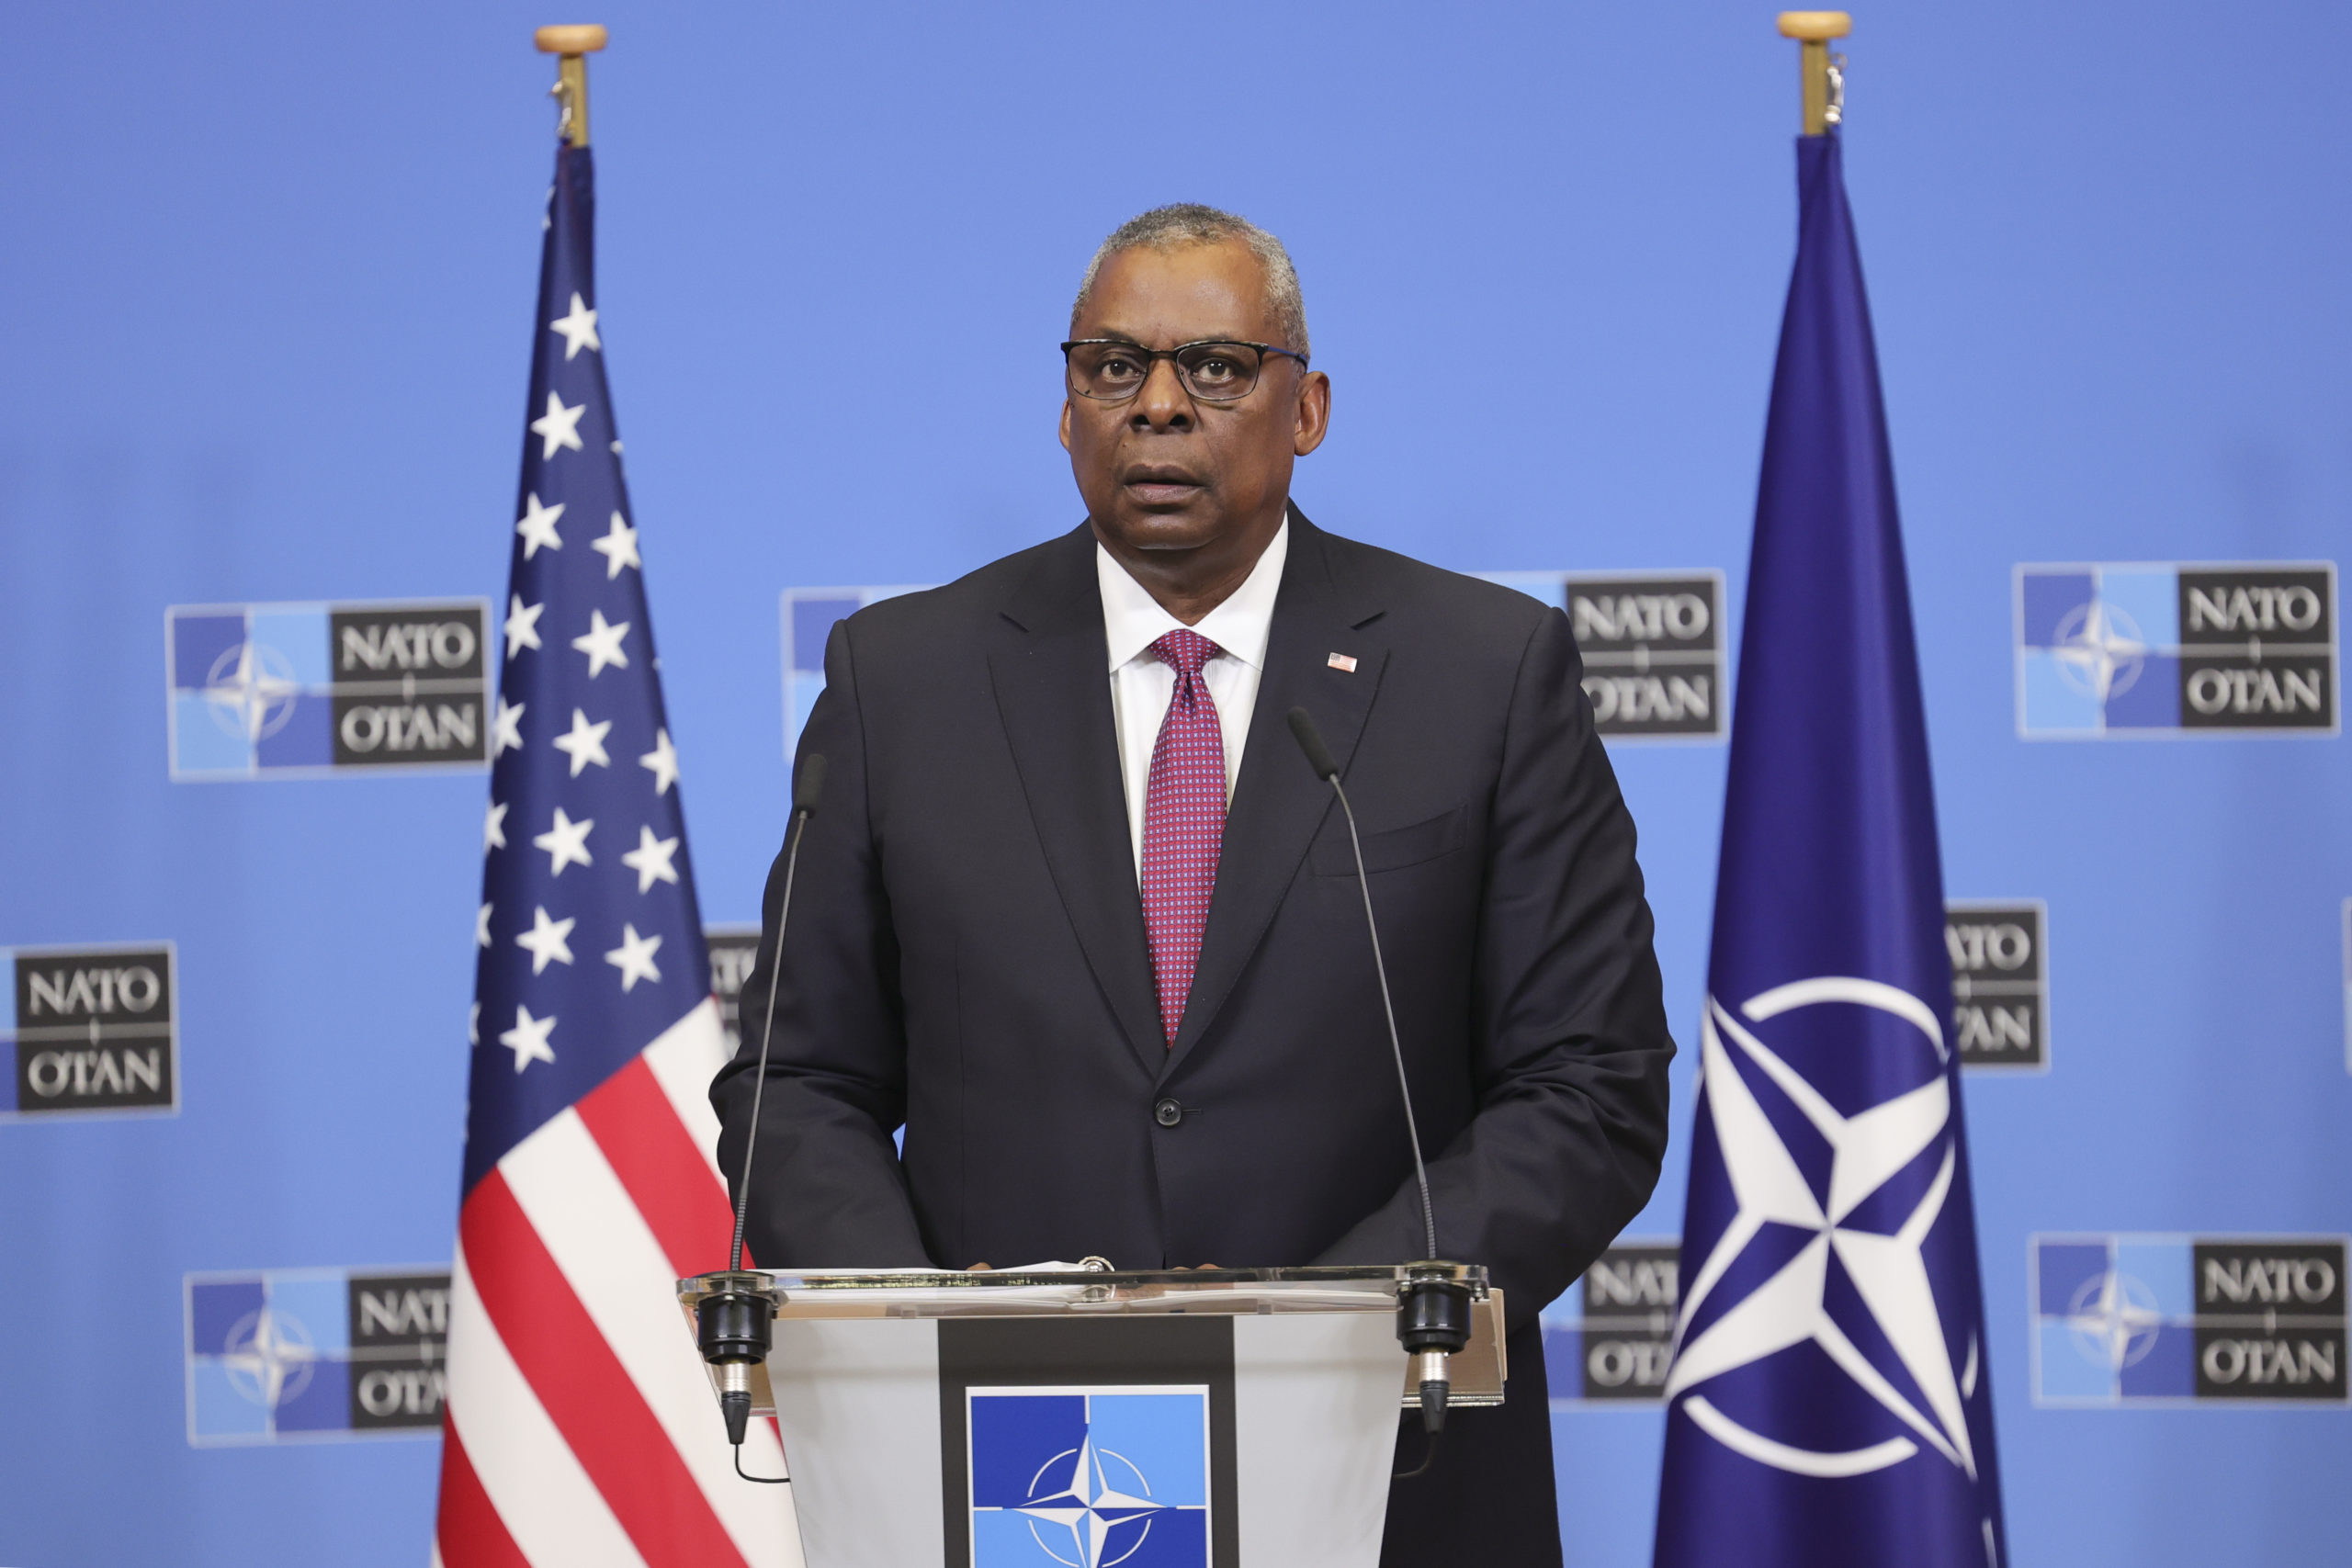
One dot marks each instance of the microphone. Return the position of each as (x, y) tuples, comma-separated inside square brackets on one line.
[(808, 786), (1319, 756), (735, 1324), (1433, 1307)]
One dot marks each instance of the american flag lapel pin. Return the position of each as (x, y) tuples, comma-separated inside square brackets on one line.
[(1345, 662)]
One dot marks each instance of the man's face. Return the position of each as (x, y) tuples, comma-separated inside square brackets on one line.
[(1160, 471)]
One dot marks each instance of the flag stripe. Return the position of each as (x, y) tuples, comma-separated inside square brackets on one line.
[(470, 1528), (548, 1503), (666, 1176), (584, 1389), (615, 1267), (683, 1059)]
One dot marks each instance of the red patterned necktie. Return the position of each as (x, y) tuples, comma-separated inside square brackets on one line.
[(1183, 824)]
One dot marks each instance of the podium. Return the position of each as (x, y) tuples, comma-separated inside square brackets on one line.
[(1204, 1419)]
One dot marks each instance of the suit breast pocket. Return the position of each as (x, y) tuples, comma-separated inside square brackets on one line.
[(1392, 849)]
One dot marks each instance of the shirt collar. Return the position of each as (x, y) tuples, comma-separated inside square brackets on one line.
[(1133, 620)]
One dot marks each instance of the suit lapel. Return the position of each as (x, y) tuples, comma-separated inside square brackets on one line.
[(1053, 692), (1278, 803)]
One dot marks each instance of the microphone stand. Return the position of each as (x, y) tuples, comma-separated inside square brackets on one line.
[(1432, 1305), (734, 1327)]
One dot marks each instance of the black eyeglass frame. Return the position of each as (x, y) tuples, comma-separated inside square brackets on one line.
[(1153, 356)]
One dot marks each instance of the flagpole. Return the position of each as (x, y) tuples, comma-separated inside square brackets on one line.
[(1823, 72), (573, 43)]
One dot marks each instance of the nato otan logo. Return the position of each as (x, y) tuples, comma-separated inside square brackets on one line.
[(2000, 982), (809, 616), (2120, 651), (295, 1355), (1088, 1477), (1616, 1350), (2181, 1319), (280, 691), (732, 950), (95, 1030), (1652, 645)]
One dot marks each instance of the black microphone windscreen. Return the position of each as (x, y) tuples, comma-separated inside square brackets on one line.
[(1310, 740), (810, 784)]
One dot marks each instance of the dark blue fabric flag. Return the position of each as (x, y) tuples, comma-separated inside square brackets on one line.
[(1828, 1403)]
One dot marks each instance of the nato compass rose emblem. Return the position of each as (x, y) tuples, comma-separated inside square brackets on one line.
[(1826, 1252), (268, 1358), (2115, 1320), (1089, 1478), (2098, 649), (251, 690), (1098, 1498)]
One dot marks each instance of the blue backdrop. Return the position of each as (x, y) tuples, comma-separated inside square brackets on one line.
[(266, 279)]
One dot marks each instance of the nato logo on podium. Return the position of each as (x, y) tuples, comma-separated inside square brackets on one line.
[(1090, 1477)]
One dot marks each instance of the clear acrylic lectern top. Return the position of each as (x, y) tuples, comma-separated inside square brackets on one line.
[(1479, 1371)]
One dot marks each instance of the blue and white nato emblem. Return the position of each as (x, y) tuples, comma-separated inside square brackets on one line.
[(1090, 1477), (289, 691), (1828, 1250), (808, 614), (290, 1355), (2138, 649), (2184, 1320)]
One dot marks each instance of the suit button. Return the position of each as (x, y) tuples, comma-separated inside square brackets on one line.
[(1167, 1113)]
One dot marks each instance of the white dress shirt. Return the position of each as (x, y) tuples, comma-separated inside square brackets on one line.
[(1142, 687)]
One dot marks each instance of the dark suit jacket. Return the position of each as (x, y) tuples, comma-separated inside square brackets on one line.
[(967, 953)]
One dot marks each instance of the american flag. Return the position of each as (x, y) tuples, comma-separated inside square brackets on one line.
[(582, 1429)]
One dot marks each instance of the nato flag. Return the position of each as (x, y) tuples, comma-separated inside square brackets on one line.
[(1829, 1402)]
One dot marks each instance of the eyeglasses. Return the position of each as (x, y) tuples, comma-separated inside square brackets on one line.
[(1112, 371)]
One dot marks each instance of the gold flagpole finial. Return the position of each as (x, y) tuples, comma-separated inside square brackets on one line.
[(573, 43), (1824, 72)]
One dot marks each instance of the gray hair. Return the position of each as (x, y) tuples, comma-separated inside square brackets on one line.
[(1190, 223)]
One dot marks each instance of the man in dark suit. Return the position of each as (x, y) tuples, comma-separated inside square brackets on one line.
[(1077, 914)]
